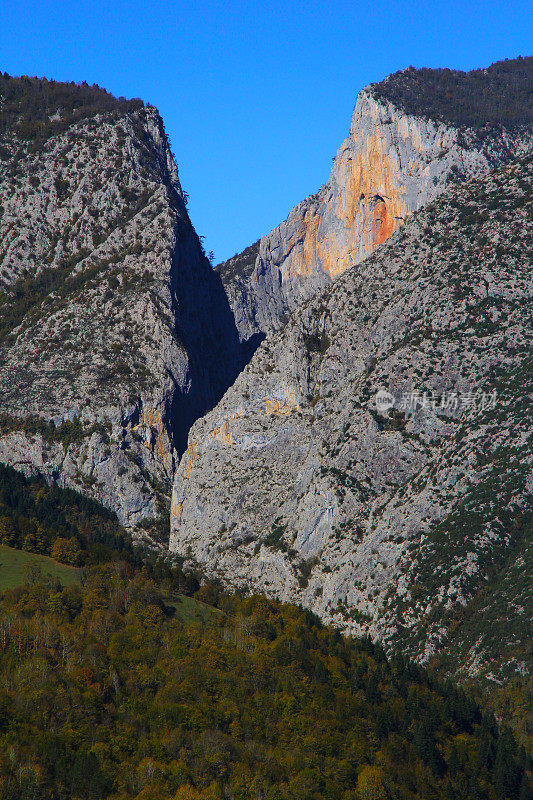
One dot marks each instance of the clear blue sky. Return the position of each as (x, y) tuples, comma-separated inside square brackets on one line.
[(256, 97)]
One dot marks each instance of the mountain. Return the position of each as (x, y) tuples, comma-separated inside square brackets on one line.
[(412, 136), (374, 460), (115, 333)]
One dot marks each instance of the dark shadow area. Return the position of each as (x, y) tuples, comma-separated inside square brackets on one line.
[(206, 329)]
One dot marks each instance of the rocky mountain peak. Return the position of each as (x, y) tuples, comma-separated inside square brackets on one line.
[(115, 332), (397, 157)]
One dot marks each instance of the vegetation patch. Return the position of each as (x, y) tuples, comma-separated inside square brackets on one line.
[(37, 108), (57, 522), (18, 567)]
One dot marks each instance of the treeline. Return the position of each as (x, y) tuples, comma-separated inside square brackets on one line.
[(105, 694), (499, 95), (58, 522), (37, 108)]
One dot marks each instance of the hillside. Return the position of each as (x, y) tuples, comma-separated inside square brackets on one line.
[(374, 460), (18, 567), (53, 521), (107, 695), (114, 331), (411, 137), (53, 536)]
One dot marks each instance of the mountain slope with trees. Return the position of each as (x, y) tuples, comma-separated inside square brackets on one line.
[(482, 98)]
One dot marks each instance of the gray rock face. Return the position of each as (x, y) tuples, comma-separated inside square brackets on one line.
[(116, 333), (390, 165), (374, 459)]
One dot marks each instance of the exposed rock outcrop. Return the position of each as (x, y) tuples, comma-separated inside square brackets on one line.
[(374, 461), (391, 164), (115, 334)]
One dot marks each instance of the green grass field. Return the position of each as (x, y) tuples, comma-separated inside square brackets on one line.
[(14, 571), (14, 566), (191, 611)]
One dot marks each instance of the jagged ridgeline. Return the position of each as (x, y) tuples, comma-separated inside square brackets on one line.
[(411, 136), (115, 333)]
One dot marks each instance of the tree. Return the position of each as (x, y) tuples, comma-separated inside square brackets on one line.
[(87, 779), (67, 551), (8, 533), (486, 751), (507, 774), (453, 762), (37, 541), (33, 574), (526, 792), (370, 784), (427, 750)]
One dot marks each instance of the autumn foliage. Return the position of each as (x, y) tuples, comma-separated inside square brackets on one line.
[(106, 693)]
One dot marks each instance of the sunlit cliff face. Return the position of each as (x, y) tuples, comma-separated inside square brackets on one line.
[(379, 177), (389, 166)]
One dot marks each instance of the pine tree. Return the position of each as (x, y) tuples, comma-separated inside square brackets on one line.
[(507, 773), (8, 533), (486, 752), (453, 762), (526, 789)]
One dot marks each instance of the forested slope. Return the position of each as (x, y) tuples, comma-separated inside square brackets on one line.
[(105, 694)]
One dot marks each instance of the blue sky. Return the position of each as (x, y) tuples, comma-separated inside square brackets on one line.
[(256, 97)]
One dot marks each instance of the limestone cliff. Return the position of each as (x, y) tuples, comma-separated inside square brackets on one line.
[(391, 164), (374, 461), (115, 332)]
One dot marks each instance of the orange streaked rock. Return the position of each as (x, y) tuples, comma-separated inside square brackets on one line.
[(369, 204), (189, 457), (176, 511), (152, 419), (222, 433)]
